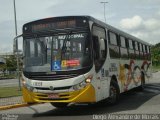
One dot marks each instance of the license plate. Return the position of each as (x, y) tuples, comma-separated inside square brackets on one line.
[(53, 96)]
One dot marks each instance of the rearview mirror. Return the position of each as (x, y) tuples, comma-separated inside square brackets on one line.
[(15, 44)]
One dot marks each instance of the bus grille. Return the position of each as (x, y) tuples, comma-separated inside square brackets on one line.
[(44, 76), (56, 88)]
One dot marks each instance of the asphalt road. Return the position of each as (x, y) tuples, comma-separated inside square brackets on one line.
[(138, 103), (9, 83)]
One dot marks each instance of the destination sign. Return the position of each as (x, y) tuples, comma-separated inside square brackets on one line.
[(54, 25)]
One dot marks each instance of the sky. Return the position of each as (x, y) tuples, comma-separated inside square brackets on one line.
[(140, 18)]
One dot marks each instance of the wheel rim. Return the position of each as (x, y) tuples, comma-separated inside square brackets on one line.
[(113, 94), (142, 81)]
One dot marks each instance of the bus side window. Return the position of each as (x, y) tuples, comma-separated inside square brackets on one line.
[(136, 44), (113, 45), (149, 53), (146, 52), (123, 48), (141, 51), (131, 49)]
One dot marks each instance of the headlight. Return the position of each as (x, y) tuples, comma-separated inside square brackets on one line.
[(29, 87), (80, 85), (89, 79), (83, 84)]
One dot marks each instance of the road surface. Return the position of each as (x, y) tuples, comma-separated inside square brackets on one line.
[(9, 83), (133, 102)]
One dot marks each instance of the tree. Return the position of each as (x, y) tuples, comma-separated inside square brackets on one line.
[(2, 67), (155, 51), (11, 63)]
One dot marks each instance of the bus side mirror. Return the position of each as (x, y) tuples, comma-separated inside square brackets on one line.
[(15, 44)]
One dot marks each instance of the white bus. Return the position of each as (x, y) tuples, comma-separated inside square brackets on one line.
[(79, 59)]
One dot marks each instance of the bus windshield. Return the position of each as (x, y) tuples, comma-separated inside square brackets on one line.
[(69, 51)]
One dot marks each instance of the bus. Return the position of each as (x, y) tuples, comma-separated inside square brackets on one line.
[(79, 59)]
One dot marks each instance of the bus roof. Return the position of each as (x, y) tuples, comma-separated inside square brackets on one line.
[(120, 32), (107, 26)]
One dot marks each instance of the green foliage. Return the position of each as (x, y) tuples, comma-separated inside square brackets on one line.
[(9, 92), (2, 67), (11, 63), (155, 50)]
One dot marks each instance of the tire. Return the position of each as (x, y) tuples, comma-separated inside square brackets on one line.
[(59, 105), (114, 93), (141, 87)]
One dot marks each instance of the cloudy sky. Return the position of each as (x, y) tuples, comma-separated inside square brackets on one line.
[(140, 18)]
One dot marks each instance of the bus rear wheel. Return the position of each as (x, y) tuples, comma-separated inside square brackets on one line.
[(141, 87), (59, 105), (114, 93)]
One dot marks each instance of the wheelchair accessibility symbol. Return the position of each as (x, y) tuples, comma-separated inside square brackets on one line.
[(56, 65)]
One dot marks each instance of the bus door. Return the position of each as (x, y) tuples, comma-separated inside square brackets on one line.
[(99, 51)]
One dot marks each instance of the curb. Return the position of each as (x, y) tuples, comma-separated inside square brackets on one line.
[(13, 106), (17, 106)]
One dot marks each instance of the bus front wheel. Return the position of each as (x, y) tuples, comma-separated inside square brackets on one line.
[(114, 93), (141, 87)]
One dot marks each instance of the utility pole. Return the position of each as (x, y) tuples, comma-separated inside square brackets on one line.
[(15, 20), (104, 4), (15, 45)]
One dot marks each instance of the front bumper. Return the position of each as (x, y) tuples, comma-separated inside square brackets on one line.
[(86, 94)]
